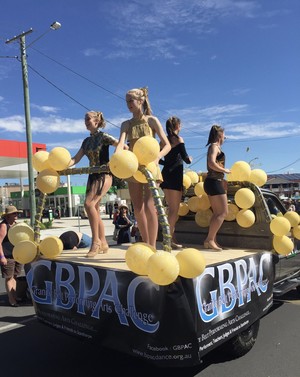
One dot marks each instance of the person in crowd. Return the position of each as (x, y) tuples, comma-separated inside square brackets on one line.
[(123, 224), (110, 210), (116, 215), (58, 212), (215, 185), (96, 148), (272, 207), (10, 268), (75, 240), (291, 206), (172, 173), (135, 233), (142, 123)]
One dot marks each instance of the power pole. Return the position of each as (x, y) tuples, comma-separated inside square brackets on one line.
[(21, 38)]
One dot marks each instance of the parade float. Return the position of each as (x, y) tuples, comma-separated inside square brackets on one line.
[(164, 306)]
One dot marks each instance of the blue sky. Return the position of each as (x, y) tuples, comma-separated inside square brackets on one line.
[(231, 62)]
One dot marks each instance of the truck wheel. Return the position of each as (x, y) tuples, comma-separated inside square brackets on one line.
[(243, 342), (298, 289)]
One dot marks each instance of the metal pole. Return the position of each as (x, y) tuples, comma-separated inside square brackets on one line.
[(28, 131)]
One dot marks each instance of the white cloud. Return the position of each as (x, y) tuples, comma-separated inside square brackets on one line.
[(146, 24), (45, 109)]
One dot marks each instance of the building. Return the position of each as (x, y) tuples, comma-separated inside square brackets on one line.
[(286, 186)]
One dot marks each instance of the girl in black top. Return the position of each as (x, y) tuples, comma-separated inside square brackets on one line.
[(173, 173), (214, 185)]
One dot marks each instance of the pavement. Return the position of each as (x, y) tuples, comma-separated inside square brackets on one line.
[(58, 227), (77, 224)]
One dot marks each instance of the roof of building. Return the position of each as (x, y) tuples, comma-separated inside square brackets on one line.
[(13, 161), (283, 178)]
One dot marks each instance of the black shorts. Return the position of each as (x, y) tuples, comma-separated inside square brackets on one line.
[(214, 186)]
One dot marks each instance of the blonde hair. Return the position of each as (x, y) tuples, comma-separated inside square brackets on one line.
[(99, 117), (141, 94)]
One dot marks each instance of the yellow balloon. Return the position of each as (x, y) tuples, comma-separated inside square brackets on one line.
[(240, 171), (199, 189), (258, 177), (204, 202), (51, 247), (194, 203), (186, 181), (123, 164), (163, 268), (280, 226), (244, 198), (183, 209), (47, 181), (296, 232), (283, 245), (59, 158), (193, 175), (203, 217), (293, 217), (232, 212), (191, 263), (146, 149), (40, 160), (137, 257), (140, 177), (245, 218), (20, 232), (25, 251)]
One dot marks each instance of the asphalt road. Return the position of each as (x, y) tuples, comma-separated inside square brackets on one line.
[(30, 348), (33, 349)]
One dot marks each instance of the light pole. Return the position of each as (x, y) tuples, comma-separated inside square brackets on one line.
[(251, 161), (21, 38)]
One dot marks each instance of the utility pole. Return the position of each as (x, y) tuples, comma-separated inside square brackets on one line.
[(21, 38)]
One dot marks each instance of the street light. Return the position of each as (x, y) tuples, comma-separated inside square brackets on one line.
[(251, 161), (21, 37)]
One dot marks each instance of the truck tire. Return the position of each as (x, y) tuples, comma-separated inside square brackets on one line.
[(243, 342)]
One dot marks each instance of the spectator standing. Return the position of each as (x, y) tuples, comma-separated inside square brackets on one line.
[(10, 268)]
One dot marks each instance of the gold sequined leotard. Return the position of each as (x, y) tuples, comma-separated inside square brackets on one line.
[(137, 128)]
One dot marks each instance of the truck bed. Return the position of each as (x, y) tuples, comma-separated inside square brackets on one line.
[(115, 258)]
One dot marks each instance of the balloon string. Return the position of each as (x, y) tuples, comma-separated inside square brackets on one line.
[(161, 212), (38, 218)]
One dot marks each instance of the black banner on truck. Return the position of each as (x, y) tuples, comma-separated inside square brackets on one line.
[(171, 326)]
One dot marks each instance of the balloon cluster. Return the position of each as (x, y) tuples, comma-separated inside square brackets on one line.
[(25, 250), (163, 267), (281, 226), (241, 171), (48, 164), (244, 197), (21, 235), (124, 164)]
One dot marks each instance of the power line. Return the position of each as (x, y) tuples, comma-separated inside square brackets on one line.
[(285, 167), (66, 94), (80, 75)]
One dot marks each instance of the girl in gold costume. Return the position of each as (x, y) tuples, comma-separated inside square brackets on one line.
[(142, 123)]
